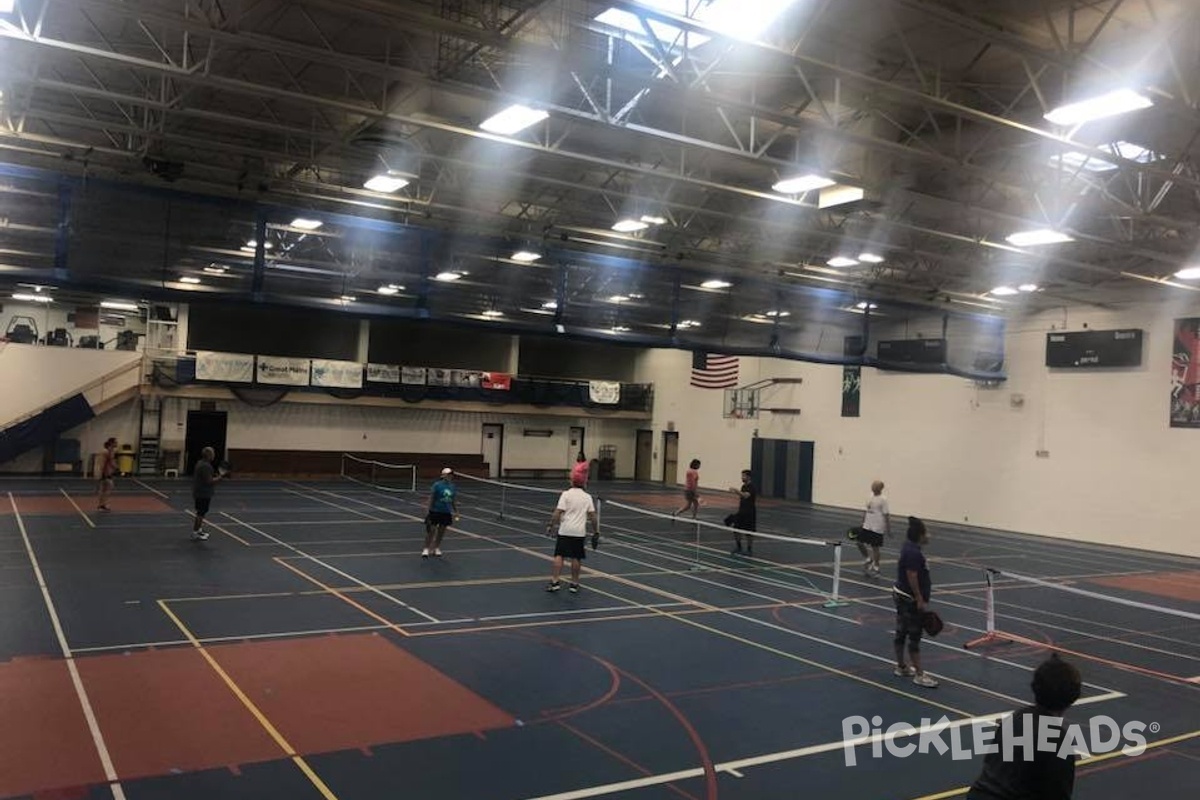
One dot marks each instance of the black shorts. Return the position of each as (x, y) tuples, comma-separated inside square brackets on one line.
[(908, 622), (442, 519), (868, 537), (742, 522), (202, 504), (690, 495), (571, 547)]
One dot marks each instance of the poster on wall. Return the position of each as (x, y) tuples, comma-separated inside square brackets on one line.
[(284, 371), (437, 377), (337, 374), (605, 392), (412, 376), (497, 381), (224, 367), (386, 373), (465, 378), (1185, 374), (851, 377)]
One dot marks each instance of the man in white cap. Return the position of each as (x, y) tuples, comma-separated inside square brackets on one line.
[(573, 516), (443, 510)]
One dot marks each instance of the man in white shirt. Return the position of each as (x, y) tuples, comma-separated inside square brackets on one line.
[(876, 523), (574, 515)]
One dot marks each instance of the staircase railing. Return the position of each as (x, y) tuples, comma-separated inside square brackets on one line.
[(107, 384)]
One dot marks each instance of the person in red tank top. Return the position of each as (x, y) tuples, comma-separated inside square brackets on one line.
[(691, 489), (579, 472)]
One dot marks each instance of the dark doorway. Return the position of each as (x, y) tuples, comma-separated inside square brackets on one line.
[(670, 454), (783, 468), (492, 448), (204, 429), (575, 446), (643, 455)]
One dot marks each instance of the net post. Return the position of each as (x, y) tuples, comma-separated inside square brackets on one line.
[(503, 495), (834, 600), (414, 478), (990, 636), (599, 504)]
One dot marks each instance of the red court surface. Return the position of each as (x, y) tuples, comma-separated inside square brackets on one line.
[(44, 738), (353, 691), (86, 502), (1176, 585)]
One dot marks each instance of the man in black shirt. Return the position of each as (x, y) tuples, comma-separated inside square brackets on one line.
[(1049, 775), (746, 516), (203, 479)]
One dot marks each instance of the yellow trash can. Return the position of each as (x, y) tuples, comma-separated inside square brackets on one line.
[(125, 459)]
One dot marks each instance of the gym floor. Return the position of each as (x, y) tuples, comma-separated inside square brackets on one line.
[(305, 650)]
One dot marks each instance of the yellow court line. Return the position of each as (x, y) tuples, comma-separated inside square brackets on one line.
[(283, 743), (343, 597), (71, 500), (1083, 762)]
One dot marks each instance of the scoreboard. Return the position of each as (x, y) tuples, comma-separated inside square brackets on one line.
[(1094, 349)]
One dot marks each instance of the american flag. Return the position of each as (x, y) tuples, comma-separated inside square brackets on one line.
[(714, 372)]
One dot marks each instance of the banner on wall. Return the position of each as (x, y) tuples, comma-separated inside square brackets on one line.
[(466, 378), (1185, 374), (285, 371), (851, 377), (413, 376), (604, 392), (500, 381), (225, 367), (437, 377), (385, 373), (337, 374)]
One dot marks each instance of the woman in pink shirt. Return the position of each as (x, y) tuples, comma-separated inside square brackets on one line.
[(691, 489), (579, 472)]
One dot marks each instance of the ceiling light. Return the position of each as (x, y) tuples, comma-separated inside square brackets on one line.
[(839, 195), (189, 279), (1027, 287), (1185, 274), (447, 276), (739, 19), (618, 298), (550, 305), (306, 224), (842, 261), (385, 183), (1109, 104), (864, 305), (635, 296), (8, 6), (802, 184), (777, 314), (388, 290), (689, 323), (1037, 237), (1131, 152), (33, 298), (348, 298), (525, 256), (620, 329), (118, 305), (870, 258), (650, 219), (216, 269), (629, 225), (493, 313), (664, 32), (253, 244), (1003, 291), (716, 283), (513, 119), (1085, 161)]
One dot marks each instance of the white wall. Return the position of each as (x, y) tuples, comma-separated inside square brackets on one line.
[(33, 376), (121, 422), (948, 450)]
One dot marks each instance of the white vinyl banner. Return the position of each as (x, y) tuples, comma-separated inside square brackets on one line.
[(413, 376), (287, 371), (606, 392), (383, 373), (227, 367), (338, 374)]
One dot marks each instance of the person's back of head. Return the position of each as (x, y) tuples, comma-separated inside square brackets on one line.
[(695, 463), (877, 487), (208, 454), (1056, 685), (580, 458), (916, 529)]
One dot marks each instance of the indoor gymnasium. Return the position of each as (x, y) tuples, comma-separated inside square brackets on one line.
[(631, 399)]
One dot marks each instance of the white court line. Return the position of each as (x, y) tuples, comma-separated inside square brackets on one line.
[(572, 611), (71, 500), (150, 488), (309, 496), (336, 571), (110, 772)]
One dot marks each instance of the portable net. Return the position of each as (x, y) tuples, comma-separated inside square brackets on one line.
[(379, 475), (1162, 641), (511, 499)]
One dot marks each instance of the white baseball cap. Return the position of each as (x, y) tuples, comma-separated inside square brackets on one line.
[(447, 471)]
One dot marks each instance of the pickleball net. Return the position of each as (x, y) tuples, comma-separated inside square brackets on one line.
[(379, 474)]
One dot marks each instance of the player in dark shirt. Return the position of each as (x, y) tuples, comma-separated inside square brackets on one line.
[(203, 479), (746, 516), (911, 595), (1049, 775)]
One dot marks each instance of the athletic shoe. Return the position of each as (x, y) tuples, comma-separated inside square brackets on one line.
[(926, 680), (904, 672), (573, 588), (553, 586), (200, 536), (438, 552), (425, 553), (103, 508)]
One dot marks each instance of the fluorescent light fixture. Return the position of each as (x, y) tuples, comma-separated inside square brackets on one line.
[(33, 298), (348, 298), (1185, 274), (864, 305), (839, 195), (619, 329), (777, 314), (1131, 152), (8, 6), (560, 329), (734, 18), (447, 276), (118, 305), (385, 183), (1038, 237), (525, 256), (689, 323), (216, 269), (550, 305), (715, 283), (635, 296), (1027, 287), (513, 119), (493, 313), (842, 261), (1003, 291), (253, 245), (306, 224), (870, 258), (650, 219), (189, 279), (663, 31), (801, 184), (629, 226), (390, 289), (1109, 104)]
